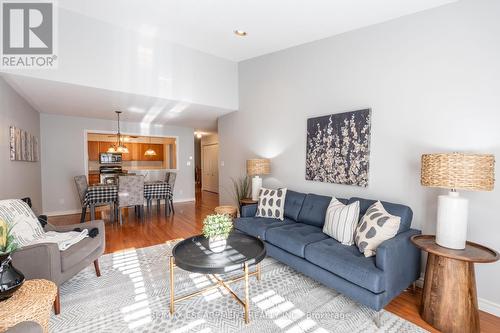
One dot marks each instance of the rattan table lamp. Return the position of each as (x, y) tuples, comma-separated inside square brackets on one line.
[(256, 168), (456, 171)]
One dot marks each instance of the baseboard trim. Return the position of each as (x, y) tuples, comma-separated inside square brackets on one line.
[(63, 212), (78, 211), (484, 305)]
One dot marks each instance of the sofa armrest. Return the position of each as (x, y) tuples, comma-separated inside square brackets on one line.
[(39, 261), (248, 210), (400, 260)]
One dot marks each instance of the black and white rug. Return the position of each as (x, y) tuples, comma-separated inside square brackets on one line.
[(132, 296)]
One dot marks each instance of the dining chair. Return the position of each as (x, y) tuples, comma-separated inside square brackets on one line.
[(82, 187), (171, 181), (130, 193)]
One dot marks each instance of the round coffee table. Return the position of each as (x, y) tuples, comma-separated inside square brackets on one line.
[(194, 255), (449, 299)]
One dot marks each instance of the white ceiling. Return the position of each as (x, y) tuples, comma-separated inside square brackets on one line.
[(80, 101), (272, 25)]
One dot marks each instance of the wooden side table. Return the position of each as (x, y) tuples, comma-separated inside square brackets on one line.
[(449, 298), (33, 302), (247, 201)]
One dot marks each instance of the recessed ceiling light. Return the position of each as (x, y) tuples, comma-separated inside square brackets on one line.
[(240, 33)]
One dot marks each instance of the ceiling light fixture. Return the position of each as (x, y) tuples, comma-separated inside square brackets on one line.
[(240, 33), (150, 151), (119, 147)]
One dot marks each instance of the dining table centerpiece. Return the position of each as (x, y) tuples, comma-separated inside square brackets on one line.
[(216, 228)]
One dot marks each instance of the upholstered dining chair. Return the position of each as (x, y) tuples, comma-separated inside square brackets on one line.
[(130, 193), (82, 187), (171, 181)]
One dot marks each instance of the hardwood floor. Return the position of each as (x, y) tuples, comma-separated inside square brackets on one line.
[(187, 221)]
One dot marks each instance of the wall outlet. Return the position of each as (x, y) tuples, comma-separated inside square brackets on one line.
[(221, 163), (188, 163)]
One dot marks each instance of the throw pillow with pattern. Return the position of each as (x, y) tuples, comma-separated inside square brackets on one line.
[(271, 203), (376, 226), (341, 221)]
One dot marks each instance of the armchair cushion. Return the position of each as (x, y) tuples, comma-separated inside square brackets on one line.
[(78, 252)]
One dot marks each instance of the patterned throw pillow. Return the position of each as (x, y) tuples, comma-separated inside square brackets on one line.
[(376, 227), (271, 203), (341, 221)]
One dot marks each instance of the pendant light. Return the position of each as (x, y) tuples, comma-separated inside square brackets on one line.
[(150, 151), (119, 147)]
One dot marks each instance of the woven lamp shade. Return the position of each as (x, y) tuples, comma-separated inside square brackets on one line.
[(475, 172), (259, 166)]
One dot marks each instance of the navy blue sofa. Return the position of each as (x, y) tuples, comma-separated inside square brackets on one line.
[(299, 242)]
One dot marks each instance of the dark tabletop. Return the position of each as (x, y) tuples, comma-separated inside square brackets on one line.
[(193, 254)]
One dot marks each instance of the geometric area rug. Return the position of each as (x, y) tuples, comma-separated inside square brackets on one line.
[(133, 291)]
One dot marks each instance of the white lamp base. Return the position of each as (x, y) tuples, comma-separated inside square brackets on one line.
[(451, 228), (256, 185)]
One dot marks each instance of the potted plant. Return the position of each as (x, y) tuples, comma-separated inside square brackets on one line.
[(10, 278), (216, 229)]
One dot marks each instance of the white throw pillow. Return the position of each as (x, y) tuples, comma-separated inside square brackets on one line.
[(341, 221), (24, 225), (376, 226), (271, 203)]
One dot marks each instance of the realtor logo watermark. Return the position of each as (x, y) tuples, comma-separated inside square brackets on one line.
[(28, 35)]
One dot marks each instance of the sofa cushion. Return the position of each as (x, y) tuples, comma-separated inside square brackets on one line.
[(76, 253), (257, 226), (346, 262), (293, 204), (294, 237), (313, 209), (402, 211)]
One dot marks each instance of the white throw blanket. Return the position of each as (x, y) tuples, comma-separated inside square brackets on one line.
[(26, 229)]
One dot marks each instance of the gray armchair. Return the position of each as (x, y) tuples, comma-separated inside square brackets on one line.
[(45, 261), (26, 327)]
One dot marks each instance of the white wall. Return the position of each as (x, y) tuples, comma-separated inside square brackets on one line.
[(97, 54), (432, 80), (18, 179), (64, 155)]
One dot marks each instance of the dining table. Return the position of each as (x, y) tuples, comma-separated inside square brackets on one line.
[(102, 194)]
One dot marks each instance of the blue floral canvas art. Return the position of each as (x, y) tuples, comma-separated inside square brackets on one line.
[(338, 148)]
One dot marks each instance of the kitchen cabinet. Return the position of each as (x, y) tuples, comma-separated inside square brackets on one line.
[(94, 178), (104, 146), (134, 151), (93, 150)]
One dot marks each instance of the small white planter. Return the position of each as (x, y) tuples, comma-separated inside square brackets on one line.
[(217, 244)]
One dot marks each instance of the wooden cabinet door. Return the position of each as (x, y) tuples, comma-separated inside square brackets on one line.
[(104, 146), (134, 151), (93, 150), (94, 178)]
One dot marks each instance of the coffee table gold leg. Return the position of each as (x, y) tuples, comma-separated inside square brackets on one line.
[(171, 285), (258, 272), (247, 299)]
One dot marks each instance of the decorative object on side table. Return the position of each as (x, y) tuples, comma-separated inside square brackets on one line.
[(456, 171), (10, 278), (449, 297), (338, 148), (216, 228), (256, 168)]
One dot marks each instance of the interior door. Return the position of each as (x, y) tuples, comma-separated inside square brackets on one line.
[(210, 168)]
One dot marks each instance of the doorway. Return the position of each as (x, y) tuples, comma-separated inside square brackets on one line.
[(210, 163)]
